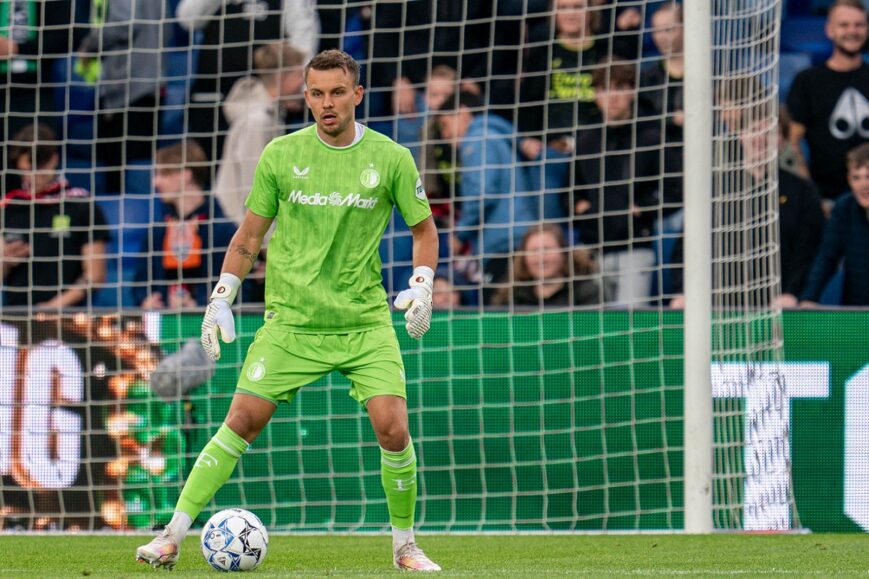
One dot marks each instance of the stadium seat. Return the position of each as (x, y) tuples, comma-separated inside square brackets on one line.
[(806, 34), (790, 64), (129, 218), (137, 178), (108, 296), (78, 99), (79, 172)]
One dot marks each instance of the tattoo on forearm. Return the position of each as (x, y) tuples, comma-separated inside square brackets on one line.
[(245, 253)]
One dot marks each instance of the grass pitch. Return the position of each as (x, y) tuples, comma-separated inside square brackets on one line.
[(823, 555)]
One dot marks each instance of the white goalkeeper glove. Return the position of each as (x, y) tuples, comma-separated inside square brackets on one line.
[(218, 316), (417, 301)]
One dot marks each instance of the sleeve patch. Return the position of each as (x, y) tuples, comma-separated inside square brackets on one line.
[(420, 191)]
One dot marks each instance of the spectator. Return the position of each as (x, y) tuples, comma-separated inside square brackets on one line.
[(186, 251), (827, 103), (231, 31), (799, 211), (128, 44), (478, 38), (54, 236), (846, 239), (496, 205), (439, 86), (661, 96), (735, 100), (548, 273), (556, 92), (616, 175), (35, 32), (439, 172), (255, 109), (421, 134)]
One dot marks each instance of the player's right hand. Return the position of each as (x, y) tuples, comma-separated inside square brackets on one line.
[(218, 315), (218, 320)]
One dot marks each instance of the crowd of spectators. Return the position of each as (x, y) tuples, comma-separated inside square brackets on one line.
[(548, 133)]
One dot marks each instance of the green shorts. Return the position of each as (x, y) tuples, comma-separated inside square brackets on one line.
[(279, 362)]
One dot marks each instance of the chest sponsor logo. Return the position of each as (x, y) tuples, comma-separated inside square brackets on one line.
[(850, 116), (370, 178), (60, 226), (333, 199), (300, 173)]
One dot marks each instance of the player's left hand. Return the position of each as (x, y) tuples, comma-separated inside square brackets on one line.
[(417, 301)]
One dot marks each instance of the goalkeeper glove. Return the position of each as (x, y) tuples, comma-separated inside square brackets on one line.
[(218, 316), (417, 301)]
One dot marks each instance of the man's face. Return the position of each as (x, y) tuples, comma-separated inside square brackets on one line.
[(292, 88), (571, 16), (616, 103), (847, 29), (667, 32), (332, 99), (858, 179)]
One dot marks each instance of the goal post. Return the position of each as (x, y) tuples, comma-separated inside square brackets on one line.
[(698, 274)]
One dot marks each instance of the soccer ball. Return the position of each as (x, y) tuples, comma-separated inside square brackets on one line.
[(234, 540)]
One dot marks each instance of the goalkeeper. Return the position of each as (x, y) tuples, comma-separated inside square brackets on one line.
[(330, 188)]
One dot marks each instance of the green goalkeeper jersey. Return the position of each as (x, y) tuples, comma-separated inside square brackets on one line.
[(331, 207)]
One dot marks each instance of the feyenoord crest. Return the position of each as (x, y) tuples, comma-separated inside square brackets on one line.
[(370, 178), (256, 371)]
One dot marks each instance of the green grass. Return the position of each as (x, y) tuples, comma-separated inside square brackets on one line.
[(820, 555)]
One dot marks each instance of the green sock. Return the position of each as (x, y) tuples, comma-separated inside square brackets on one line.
[(211, 469), (398, 474)]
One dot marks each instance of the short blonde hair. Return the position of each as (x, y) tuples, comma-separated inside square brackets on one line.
[(855, 4), (277, 57)]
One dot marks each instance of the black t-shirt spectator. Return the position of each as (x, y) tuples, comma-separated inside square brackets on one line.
[(834, 109), (629, 180), (229, 41), (57, 223), (556, 91), (801, 226)]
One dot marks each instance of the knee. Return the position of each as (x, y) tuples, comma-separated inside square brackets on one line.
[(243, 424), (393, 437)]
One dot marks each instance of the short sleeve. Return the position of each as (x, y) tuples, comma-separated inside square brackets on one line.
[(797, 102), (408, 192), (264, 194)]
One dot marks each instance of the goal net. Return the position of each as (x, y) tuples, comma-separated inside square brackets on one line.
[(548, 395)]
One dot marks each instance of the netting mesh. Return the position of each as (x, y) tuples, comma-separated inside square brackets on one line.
[(548, 394)]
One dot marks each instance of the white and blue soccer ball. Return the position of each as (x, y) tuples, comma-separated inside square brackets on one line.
[(234, 540)]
